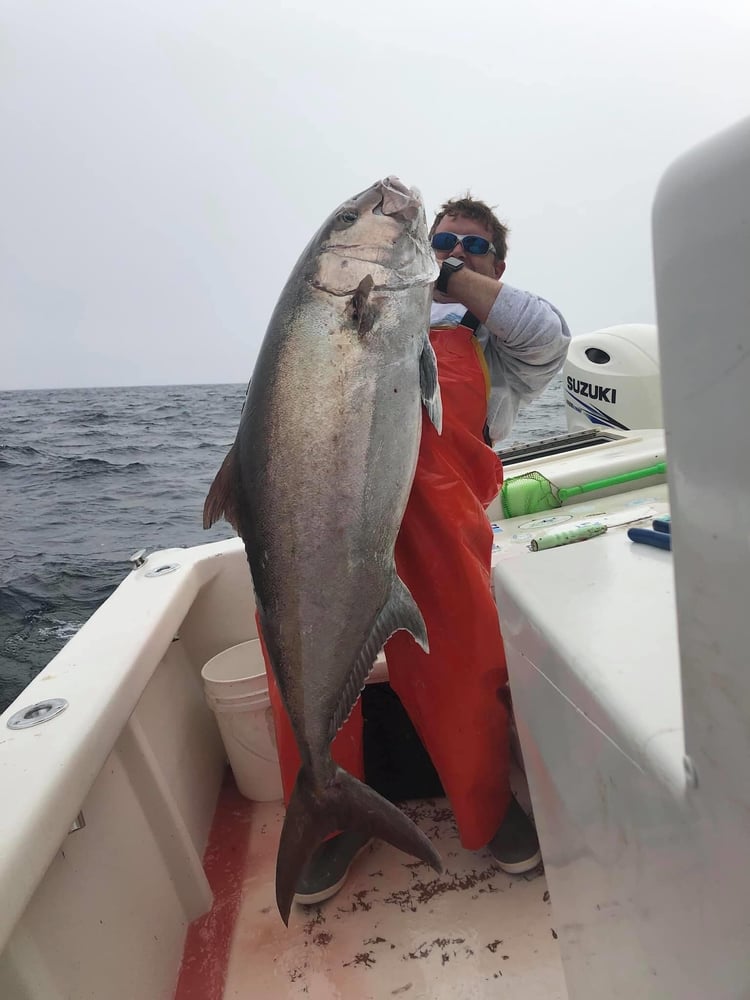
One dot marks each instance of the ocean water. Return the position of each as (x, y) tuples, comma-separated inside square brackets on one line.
[(88, 476)]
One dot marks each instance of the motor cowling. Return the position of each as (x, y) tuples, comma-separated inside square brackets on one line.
[(611, 379)]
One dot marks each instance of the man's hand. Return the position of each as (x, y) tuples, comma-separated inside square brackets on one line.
[(477, 292)]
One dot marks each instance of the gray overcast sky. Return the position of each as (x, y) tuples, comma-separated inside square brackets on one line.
[(164, 162)]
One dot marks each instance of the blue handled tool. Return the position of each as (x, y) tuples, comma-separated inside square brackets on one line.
[(660, 537)]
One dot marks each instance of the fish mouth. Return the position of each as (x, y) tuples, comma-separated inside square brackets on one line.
[(398, 201), (389, 197)]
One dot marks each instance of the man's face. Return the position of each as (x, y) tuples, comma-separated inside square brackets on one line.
[(462, 226)]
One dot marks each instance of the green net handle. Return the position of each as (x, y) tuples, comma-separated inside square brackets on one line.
[(600, 484)]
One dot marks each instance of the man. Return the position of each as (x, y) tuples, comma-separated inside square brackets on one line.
[(497, 347), (524, 339)]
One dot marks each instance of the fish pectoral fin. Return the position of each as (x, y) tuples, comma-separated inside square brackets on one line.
[(221, 500), (362, 307), (344, 804), (428, 380), (399, 611)]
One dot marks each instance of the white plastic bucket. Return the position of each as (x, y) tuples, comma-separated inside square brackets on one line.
[(236, 688)]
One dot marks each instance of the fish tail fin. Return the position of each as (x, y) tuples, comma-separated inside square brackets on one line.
[(343, 804), (221, 500)]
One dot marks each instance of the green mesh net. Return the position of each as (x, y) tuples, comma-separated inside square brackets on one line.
[(531, 493)]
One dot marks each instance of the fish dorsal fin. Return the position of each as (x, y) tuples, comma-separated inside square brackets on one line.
[(222, 499), (428, 381), (400, 611)]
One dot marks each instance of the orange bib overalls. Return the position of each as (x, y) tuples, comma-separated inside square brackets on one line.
[(443, 552)]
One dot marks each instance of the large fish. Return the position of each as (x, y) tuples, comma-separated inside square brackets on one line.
[(316, 484)]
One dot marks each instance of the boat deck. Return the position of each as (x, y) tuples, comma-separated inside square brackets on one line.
[(395, 929)]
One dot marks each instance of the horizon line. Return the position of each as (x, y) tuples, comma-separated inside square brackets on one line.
[(130, 385)]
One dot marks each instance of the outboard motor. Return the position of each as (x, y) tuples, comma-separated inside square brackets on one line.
[(612, 379)]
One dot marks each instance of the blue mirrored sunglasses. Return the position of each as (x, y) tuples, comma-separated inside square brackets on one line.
[(477, 246)]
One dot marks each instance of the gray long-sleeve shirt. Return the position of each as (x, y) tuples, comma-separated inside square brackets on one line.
[(525, 340)]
